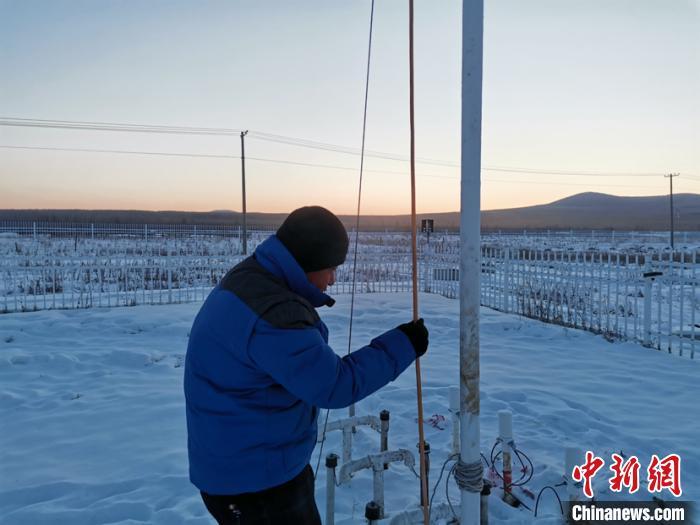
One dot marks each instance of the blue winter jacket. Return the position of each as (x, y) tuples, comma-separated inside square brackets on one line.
[(258, 365)]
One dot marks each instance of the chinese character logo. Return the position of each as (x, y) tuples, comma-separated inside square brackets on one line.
[(665, 474), (625, 474), (587, 472), (662, 474)]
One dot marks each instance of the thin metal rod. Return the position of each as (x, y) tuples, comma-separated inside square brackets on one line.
[(245, 227), (414, 257), (670, 178), (351, 410)]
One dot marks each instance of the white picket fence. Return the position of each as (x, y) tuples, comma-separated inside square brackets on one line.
[(651, 297), (84, 283), (133, 231), (599, 238)]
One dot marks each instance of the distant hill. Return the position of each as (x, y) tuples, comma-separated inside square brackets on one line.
[(588, 211), (601, 211)]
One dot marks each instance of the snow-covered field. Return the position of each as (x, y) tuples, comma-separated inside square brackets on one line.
[(93, 427)]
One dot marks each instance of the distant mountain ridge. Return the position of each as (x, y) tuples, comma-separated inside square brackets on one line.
[(602, 211), (591, 211)]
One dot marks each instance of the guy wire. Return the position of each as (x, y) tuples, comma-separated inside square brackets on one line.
[(357, 224)]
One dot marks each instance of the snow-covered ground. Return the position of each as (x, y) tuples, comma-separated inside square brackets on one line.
[(92, 412)]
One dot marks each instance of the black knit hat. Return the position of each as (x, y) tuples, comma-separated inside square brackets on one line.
[(315, 237)]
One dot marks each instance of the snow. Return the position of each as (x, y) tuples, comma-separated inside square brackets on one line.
[(93, 427)]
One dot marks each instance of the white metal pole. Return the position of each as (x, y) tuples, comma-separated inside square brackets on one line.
[(470, 265), (378, 487)]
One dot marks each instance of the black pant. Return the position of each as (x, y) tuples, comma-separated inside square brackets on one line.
[(292, 502)]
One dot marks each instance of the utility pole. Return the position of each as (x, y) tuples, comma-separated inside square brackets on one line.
[(670, 177), (245, 228)]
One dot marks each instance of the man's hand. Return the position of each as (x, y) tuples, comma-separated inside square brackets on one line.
[(418, 334)]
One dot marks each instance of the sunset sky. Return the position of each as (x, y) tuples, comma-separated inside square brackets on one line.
[(594, 95)]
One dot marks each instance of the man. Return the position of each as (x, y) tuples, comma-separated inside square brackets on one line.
[(259, 367)]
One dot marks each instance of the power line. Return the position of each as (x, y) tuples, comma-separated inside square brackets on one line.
[(568, 184), (297, 163), (389, 156), (292, 141), (196, 155), (307, 164), (347, 168), (304, 143), (122, 152), (114, 126), (342, 149), (571, 173)]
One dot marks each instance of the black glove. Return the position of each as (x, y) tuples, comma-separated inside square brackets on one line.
[(418, 334)]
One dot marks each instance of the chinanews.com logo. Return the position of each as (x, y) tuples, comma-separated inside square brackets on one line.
[(630, 512), (660, 477)]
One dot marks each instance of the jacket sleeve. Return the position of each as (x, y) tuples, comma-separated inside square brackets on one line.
[(301, 361)]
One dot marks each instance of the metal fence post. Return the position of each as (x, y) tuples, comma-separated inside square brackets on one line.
[(170, 279), (693, 307), (506, 282), (647, 311)]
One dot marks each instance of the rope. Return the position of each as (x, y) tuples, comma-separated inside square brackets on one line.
[(414, 257), (469, 476), (357, 226)]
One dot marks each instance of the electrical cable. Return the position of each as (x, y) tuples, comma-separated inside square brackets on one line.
[(113, 126), (521, 502), (451, 457), (530, 471), (343, 149), (127, 152), (526, 473), (485, 459), (293, 141), (447, 490), (296, 163), (288, 162), (390, 156), (537, 503), (525, 477)]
